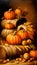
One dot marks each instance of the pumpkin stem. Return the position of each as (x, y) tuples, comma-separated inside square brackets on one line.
[(10, 9), (14, 32)]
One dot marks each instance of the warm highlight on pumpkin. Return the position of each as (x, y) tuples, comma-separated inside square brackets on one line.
[(23, 34), (9, 26), (9, 15), (13, 39), (18, 11)]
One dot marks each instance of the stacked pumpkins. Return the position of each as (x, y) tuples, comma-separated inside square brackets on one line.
[(23, 35)]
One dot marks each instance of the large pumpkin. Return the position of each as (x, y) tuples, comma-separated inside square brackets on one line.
[(9, 14), (23, 34), (13, 39)]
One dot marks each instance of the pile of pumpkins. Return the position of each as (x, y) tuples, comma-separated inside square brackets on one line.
[(24, 34)]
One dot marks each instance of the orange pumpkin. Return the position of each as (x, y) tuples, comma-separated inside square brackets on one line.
[(18, 11), (23, 34), (13, 39), (9, 14), (9, 26), (33, 53)]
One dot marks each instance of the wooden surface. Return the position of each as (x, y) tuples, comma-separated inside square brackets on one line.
[(13, 62)]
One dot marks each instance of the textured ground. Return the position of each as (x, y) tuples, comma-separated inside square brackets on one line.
[(13, 62)]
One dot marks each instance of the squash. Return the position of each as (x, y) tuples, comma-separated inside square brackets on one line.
[(23, 34), (5, 32), (13, 39), (9, 24), (11, 51), (33, 53), (9, 14)]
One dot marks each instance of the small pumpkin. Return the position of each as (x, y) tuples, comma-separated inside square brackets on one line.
[(23, 34), (18, 11), (13, 39), (24, 42), (26, 56), (9, 14), (29, 41), (33, 53)]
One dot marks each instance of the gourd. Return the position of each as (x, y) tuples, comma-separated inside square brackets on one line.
[(5, 32), (11, 51), (26, 56), (9, 24)]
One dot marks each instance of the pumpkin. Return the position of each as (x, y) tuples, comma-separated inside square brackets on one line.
[(9, 14), (23, 34), (33, 53), (29, 41), (26, 56), (13, 39), (24, 42), (18, 11)]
